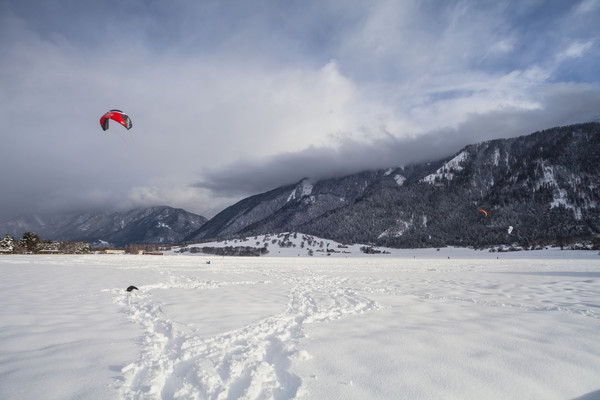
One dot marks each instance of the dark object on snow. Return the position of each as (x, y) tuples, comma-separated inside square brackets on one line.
[(130, 288)]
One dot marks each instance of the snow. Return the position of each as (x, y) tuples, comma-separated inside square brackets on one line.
[(496, 157), (306, 190), (414, 324), (548, 177), (398, 230), (399, 179), (561, 197), (292, 196), (445, 172)]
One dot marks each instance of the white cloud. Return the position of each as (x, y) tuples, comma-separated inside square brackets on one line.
[(220, 92), (576, 49), (557, 104), (586, 7)]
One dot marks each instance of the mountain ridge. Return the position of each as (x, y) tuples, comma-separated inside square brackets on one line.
[(544, 184), (151, 225)]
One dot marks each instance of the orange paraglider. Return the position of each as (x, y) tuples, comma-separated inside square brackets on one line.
[(483, 211)]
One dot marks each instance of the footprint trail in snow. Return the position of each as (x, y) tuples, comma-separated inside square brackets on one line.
[(251, 362)]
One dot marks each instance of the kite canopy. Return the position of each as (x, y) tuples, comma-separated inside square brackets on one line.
[(130, 288), (483, 211), (118, 116)]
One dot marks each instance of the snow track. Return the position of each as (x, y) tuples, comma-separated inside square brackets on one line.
[(250, 362), (305, 328)]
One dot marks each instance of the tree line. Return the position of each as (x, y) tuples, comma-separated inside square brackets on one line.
[(30, 243)]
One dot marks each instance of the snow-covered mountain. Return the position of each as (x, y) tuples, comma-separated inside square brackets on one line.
[(152, 225), (292, 205), (545, 185)]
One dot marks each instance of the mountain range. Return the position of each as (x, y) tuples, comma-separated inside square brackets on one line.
[(544, 185), (153, 225)]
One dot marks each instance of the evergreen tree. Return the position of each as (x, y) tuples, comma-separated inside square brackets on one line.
[(30, 241), (7, 244)]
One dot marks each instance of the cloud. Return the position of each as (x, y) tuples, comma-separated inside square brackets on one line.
[(587, 7), (244, 98), (560, 104), (577, 49)]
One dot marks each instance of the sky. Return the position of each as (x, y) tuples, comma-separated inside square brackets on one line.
[(233, 98)]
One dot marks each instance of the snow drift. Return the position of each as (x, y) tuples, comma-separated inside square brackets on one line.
[(306, 327)]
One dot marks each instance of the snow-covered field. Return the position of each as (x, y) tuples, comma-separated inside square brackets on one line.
[(299, 245), (411, 325)]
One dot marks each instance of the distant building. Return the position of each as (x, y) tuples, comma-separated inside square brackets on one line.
[(114, 251), (48, 251)]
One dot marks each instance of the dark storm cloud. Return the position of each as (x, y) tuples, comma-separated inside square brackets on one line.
[(563, 104)]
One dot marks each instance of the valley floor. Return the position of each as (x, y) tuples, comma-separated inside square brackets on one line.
[(523, 326)]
